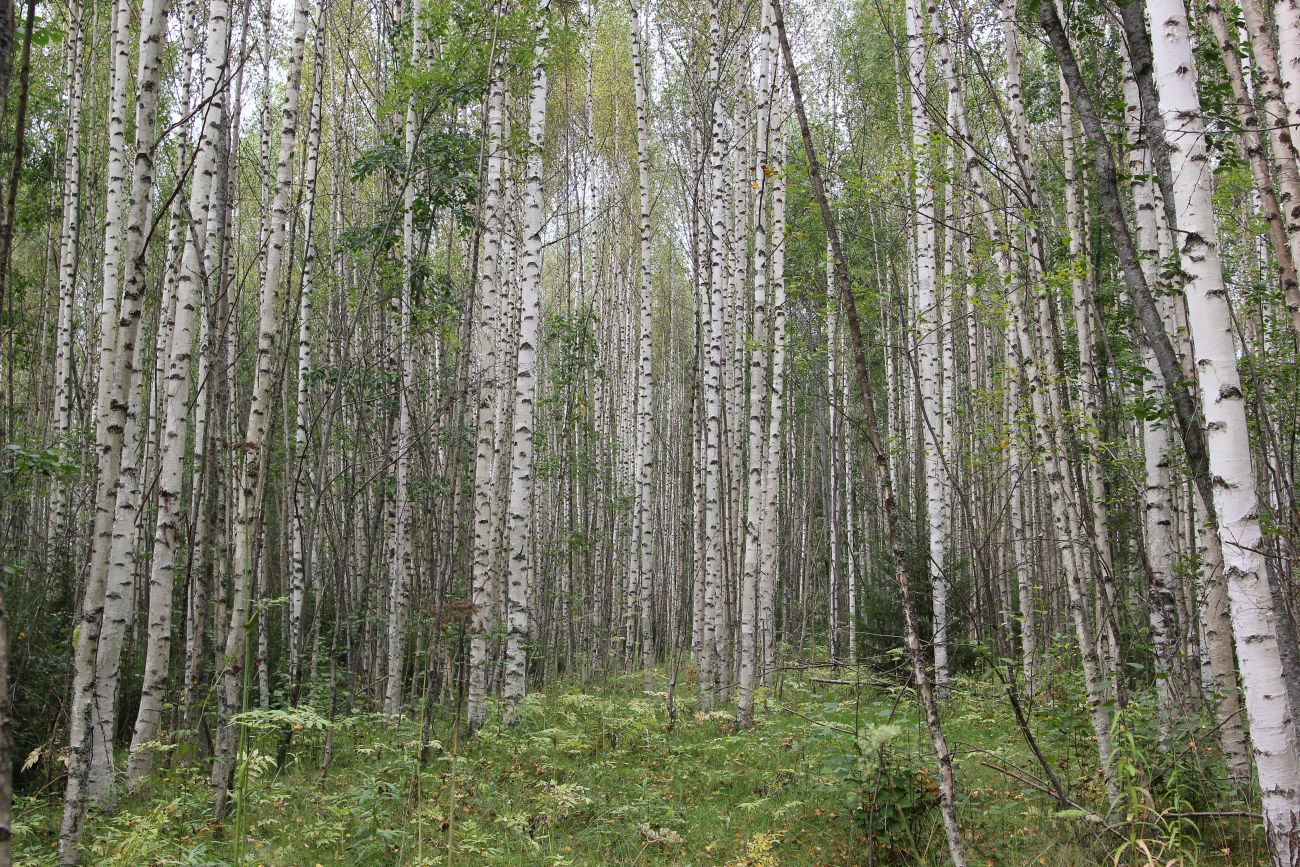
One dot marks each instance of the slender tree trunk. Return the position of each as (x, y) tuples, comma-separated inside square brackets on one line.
[(758, 391), (119, 605), (643, 506), (248, 500), (117, 589), (302, 523), (110, 427), (947, 785), (402, 565), (929, 334), (710, 662), (520, 510), (769, 578), (485, 352)]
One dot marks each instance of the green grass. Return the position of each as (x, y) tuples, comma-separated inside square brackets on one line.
[(597, 778)]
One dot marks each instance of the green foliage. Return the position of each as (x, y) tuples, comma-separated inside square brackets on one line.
[(1154, 829), (301, 718), (827, 775), (24, 466), (890, 793)]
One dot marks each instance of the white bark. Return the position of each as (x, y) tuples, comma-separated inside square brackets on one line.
[(248, 494), (68, 248), (835, 470), (769, 552), (1287, 13), (709, 663), (119, 596), (401, 563), (928, 337), (90, 766), (300, 551), (483, 617), (758, 390), (520, 508), (1271, 718), (644, 533), (126, 401), (1157, 503)]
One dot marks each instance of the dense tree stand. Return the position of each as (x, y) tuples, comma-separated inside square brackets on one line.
[(643, 431)]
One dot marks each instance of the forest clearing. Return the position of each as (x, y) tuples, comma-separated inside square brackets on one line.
[(737, 432)]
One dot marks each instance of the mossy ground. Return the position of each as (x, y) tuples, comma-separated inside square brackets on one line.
[(595, 777)]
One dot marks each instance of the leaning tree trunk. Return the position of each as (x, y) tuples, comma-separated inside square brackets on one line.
[(1226, 442), (880, 455), (1271, 718)]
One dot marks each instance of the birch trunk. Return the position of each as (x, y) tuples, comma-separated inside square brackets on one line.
[(644, 534), (110, 428), (710, 662), (520, 510), (301, 526), (118, 592), (252, 480), (1272, 722), (758, 391), (119, 605), (401, 563), (485, 353), (68, 247), (928, 336), (834, 468)]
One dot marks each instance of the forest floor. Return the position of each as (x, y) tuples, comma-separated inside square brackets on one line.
[(834, 772)]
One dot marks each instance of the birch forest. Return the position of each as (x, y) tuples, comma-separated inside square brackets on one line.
[(650, 432)]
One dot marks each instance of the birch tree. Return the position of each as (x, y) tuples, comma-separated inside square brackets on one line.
[(248, 494), (1272, 726)]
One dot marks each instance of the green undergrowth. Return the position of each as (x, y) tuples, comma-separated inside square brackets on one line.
[(833, 772)]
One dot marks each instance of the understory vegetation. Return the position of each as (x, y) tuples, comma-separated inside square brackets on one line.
[(835, 771), (742, 432)]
